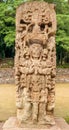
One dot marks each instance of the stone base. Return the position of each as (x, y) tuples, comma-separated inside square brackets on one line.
[(11, 124)]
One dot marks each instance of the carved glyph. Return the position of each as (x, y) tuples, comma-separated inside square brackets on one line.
[(35, 62)]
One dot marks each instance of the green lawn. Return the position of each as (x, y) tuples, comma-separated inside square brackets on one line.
[(7, 101), (8, 108), (62, 101)]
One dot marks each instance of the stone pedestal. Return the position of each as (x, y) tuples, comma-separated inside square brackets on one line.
[(12, 124)]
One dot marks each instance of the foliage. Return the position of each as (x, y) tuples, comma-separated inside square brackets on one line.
[(7, 26), (62, 38)]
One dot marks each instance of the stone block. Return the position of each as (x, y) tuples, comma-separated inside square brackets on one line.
[(12, 124)]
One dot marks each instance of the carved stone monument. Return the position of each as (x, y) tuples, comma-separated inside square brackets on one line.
[(35, 64)]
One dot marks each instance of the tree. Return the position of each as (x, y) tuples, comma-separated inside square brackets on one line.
[(7, 26), (62, 38)]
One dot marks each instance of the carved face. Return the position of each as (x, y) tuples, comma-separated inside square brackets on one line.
[(27, 55), (35, 51), (35, 22)]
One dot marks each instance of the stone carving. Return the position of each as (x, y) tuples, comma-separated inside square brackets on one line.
[(35, 62)]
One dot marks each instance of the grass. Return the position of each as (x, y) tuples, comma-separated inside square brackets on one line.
[(7, 101), (66, 65), (6, 63), (8, 108), (62, 101)]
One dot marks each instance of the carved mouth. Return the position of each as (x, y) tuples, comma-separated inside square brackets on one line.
[(35, 41)]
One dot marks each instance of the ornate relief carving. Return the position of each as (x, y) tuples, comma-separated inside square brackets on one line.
[(35, 62)]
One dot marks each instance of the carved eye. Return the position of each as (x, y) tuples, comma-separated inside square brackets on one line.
[(50, 24), (24, 28), (42, 27), (30, 29), (22, 21)]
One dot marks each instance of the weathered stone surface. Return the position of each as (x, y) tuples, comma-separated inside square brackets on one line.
[(11, 124), (35, 62), (35, 68)]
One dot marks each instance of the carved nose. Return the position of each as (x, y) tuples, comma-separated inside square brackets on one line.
[(36, 29)]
